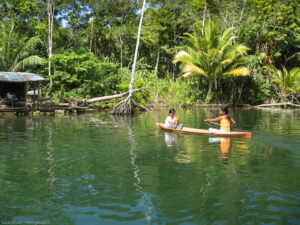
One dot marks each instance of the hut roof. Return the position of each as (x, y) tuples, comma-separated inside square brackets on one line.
[(19, 77)]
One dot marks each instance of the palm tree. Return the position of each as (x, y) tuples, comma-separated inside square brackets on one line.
[(24, 58), (15, 54), (288, 81), (212, 55)]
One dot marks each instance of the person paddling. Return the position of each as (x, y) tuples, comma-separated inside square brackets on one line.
[(172, 121), (225, 121)]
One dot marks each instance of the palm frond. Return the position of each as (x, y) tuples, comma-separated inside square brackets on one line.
[(241, 71), (202, 53), (239, 61), (191, 68), (242, 49), (227, 61), (26, 51), (227, 34), (212, 54), (181, 56), (29, 61), (223, 46), (278, 81), (295, 72)]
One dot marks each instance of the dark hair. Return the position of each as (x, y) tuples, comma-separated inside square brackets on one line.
[(172, 111), (224, 109)]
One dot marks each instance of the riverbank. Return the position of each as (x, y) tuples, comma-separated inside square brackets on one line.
[(44, 111), (64, 108)]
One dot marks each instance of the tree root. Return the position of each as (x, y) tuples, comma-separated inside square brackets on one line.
[(127, 107)]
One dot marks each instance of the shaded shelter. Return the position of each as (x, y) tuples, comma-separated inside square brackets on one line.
[(17, 83)]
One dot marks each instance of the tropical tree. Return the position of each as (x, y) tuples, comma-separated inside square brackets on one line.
[(18, 43), (17, 53), (126, 107), (165, 22), (50, 11), (212, 55), (25, 58), (288, 81)]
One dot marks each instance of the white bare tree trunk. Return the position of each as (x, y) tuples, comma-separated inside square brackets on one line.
[(157, 62), (204, 16), (91, 34), (50, 11), (121, 55), (127, 106), (136, 51)]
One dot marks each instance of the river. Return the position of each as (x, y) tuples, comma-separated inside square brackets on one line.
[(99, 169)]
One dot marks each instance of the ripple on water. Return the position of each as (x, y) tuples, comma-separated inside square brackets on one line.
[(97, 169)]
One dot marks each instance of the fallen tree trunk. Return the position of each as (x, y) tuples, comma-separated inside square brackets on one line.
[(278, 104), (61, 104), (112, 96)]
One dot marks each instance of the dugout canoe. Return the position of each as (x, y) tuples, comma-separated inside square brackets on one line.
[(187, 130)]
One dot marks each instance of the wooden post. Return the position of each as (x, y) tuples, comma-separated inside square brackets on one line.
[(34, 94), (25, 90), (38, 86)]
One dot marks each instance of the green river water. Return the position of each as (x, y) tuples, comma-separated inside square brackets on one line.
[(98, 169)]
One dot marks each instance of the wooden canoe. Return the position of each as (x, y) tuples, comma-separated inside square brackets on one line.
[(187, 130)]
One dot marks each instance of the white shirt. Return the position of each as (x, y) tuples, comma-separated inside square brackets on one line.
[(169, 119)]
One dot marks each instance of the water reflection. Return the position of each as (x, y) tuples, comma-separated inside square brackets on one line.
[(224, 146), (127, 121), (171, 139), (97, 169)]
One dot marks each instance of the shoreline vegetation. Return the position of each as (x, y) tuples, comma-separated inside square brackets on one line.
[(192, 53), (72, 107)]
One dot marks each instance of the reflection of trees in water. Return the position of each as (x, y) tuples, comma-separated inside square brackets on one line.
[(126, 122), (50, 159), (44, 129), (198, 185), (269, 120), (29, 170)]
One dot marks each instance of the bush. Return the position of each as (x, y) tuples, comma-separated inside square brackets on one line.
[(84, 75)]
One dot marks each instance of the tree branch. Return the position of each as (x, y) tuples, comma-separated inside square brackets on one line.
[(104, 98)]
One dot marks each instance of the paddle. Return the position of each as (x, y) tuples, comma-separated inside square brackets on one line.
[(217, 124)]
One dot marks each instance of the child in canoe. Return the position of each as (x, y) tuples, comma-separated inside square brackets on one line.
[(225, 121), (172, 121)]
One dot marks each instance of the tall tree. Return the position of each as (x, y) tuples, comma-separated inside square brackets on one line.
[(165, 22), (272, 27), (127, 106), (18, 49), (288, 82), (212, 55), (25, 58), (50, 12)]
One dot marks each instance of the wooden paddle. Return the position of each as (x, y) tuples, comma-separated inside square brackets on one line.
[(236, 129)]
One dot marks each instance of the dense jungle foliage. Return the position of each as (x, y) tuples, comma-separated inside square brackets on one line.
[(228, 51)]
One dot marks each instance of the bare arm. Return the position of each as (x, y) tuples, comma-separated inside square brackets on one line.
[(232, 121), (174, 122), (212, 120), (170, 123)]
